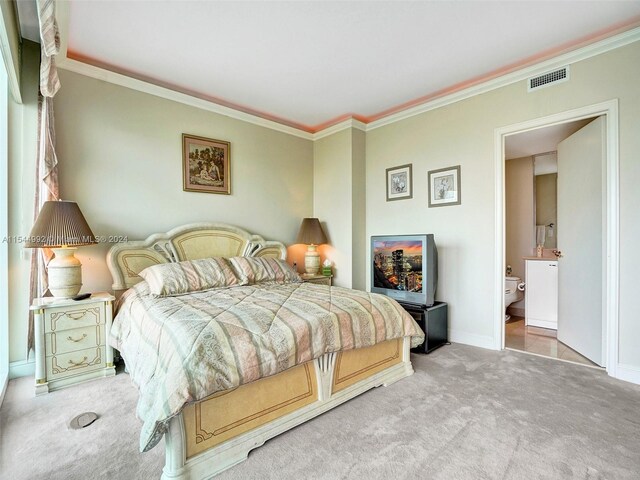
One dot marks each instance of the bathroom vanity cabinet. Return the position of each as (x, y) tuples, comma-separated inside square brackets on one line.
[(541, 295)]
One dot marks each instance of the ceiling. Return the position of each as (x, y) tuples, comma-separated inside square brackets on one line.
[(540, 140), (311, 64)]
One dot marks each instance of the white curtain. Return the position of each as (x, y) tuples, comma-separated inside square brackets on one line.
[(46, 161)]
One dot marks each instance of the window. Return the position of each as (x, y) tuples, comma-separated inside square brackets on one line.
[(4, 232)]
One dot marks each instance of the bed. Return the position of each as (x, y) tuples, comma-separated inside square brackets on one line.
[(223, 370)]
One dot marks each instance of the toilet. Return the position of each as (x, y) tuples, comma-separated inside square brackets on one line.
[(513, 292)]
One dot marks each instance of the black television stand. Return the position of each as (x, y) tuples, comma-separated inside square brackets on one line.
[(433, 321)]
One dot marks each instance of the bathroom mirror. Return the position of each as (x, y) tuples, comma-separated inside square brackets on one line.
[(545, 181)]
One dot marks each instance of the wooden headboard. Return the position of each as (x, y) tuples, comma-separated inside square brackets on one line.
[(188, 242)]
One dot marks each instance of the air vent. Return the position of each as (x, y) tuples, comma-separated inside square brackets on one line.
[(548, 79)]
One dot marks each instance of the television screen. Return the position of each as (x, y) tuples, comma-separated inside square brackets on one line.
[(405, 267), (398, 265)]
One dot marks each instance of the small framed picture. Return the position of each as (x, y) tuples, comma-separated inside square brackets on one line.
[(399, 183), (206, 165), (444, 187)]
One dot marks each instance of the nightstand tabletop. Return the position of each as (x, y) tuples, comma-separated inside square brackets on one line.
[(41, 302)]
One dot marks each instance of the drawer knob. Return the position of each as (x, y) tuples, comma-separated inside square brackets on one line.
[(84, 335), (77, 364), (76, 315)]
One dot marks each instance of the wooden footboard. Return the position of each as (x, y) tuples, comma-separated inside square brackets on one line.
[(353, 366), (218, 432), (248, 407)]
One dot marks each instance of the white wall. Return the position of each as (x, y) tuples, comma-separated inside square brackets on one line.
[(120, 158), (462, 133), (519, 216), (332, 202), (339, 201), (359, 209)]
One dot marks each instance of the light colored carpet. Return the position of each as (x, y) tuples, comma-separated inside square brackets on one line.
[(467, 413)]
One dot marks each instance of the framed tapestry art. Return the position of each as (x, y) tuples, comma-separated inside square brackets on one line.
[(206, 165), (444, 187), (399, 183)]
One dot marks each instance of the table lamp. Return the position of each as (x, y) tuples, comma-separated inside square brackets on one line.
[(62, 227), (312, 235)]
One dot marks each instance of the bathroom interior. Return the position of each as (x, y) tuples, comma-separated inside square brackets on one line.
[(533, 257)]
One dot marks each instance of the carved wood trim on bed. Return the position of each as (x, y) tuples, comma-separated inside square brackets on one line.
[(355, 365), (248, 407), (187, 242)]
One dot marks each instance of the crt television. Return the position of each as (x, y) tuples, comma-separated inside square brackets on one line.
[(405, 267)]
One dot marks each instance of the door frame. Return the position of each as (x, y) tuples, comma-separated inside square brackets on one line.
[(610, 281)]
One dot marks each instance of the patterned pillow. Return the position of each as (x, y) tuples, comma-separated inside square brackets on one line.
[(264, 269), (168, 279)]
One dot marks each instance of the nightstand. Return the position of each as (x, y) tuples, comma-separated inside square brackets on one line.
[(319, 279), (71, 340)]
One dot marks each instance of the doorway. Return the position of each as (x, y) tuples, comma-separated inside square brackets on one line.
[(607, 275), (546, 312)]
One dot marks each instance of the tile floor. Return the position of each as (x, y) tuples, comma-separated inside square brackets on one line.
[(539, 340)]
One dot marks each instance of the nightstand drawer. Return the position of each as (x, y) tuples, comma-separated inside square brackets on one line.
[(65, 341), (72, 363), (65, 318)]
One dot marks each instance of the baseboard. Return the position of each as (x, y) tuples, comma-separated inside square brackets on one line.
[(472, 339), (22, 368), (4, 381), (628, 373)]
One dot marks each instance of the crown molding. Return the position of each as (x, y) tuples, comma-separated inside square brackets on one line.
[(574, 56), (338, 127), (168, 94)]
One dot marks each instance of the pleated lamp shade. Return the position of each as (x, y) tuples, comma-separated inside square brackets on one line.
[(311, 232), (62, 227), (60, 223)]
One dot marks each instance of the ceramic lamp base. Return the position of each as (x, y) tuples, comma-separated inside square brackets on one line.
[(312, 260), (65, 273)]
